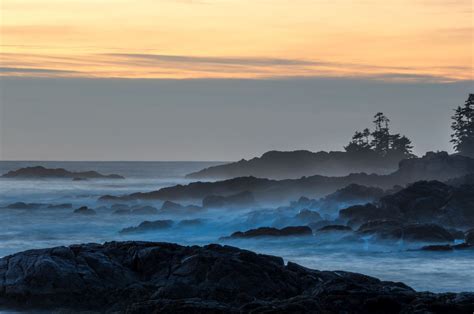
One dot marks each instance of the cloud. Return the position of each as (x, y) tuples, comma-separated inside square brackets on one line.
[(11, 70), (141, 65), (255, 61)]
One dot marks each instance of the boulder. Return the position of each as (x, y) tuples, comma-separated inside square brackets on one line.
[(84, 210), (144, 277)]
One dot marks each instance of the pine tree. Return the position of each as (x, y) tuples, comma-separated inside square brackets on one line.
[(401, 145), (463, 127), (381, 135)]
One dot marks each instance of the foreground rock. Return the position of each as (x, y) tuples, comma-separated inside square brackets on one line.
[(140, 277), (272, 232), (44, 173)]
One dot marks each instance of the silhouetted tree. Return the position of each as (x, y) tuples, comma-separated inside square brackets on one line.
[(358, 143), (381, 134), (401, 145), (380, 141), (463, 127)]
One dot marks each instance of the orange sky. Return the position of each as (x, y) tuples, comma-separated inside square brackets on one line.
[(391, 39)]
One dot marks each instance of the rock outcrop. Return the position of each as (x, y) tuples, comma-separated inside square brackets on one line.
[(141, 277), (44, 173), (421, 202), (425, 168)]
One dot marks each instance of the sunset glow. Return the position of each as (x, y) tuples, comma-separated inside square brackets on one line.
[(395, 39)]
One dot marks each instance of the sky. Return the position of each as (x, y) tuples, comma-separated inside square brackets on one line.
[(225, 79)]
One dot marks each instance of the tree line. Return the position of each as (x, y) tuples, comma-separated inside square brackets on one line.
[(381, 142)]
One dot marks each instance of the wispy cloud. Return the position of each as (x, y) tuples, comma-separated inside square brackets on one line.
[(139, 65)]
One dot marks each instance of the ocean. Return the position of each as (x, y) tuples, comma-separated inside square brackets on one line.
[(41, 226)]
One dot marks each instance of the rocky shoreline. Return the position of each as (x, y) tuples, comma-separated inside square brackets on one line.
[(147, 277)]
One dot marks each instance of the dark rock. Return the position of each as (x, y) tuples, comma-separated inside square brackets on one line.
[(322, 223), (42, 172), (456, 234), (392, 229), (335, 228), (22, 205), (315, 186), (447, 247), (423, 201), (149, 226), (295, 164), (141, 277), (273, 232), (438, 248), (84, 210), (359, 214), (469, 236), (243, 199)]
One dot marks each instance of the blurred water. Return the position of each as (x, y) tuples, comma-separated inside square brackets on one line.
[(42, 227)]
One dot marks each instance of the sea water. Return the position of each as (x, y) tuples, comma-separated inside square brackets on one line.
[(42, 227)]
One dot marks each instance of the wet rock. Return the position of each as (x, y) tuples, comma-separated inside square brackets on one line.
[(393, 229), (273, 232), (335, 228), (438, 248), (141, 277), (469, 236), (84, 210), (149, 226)]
